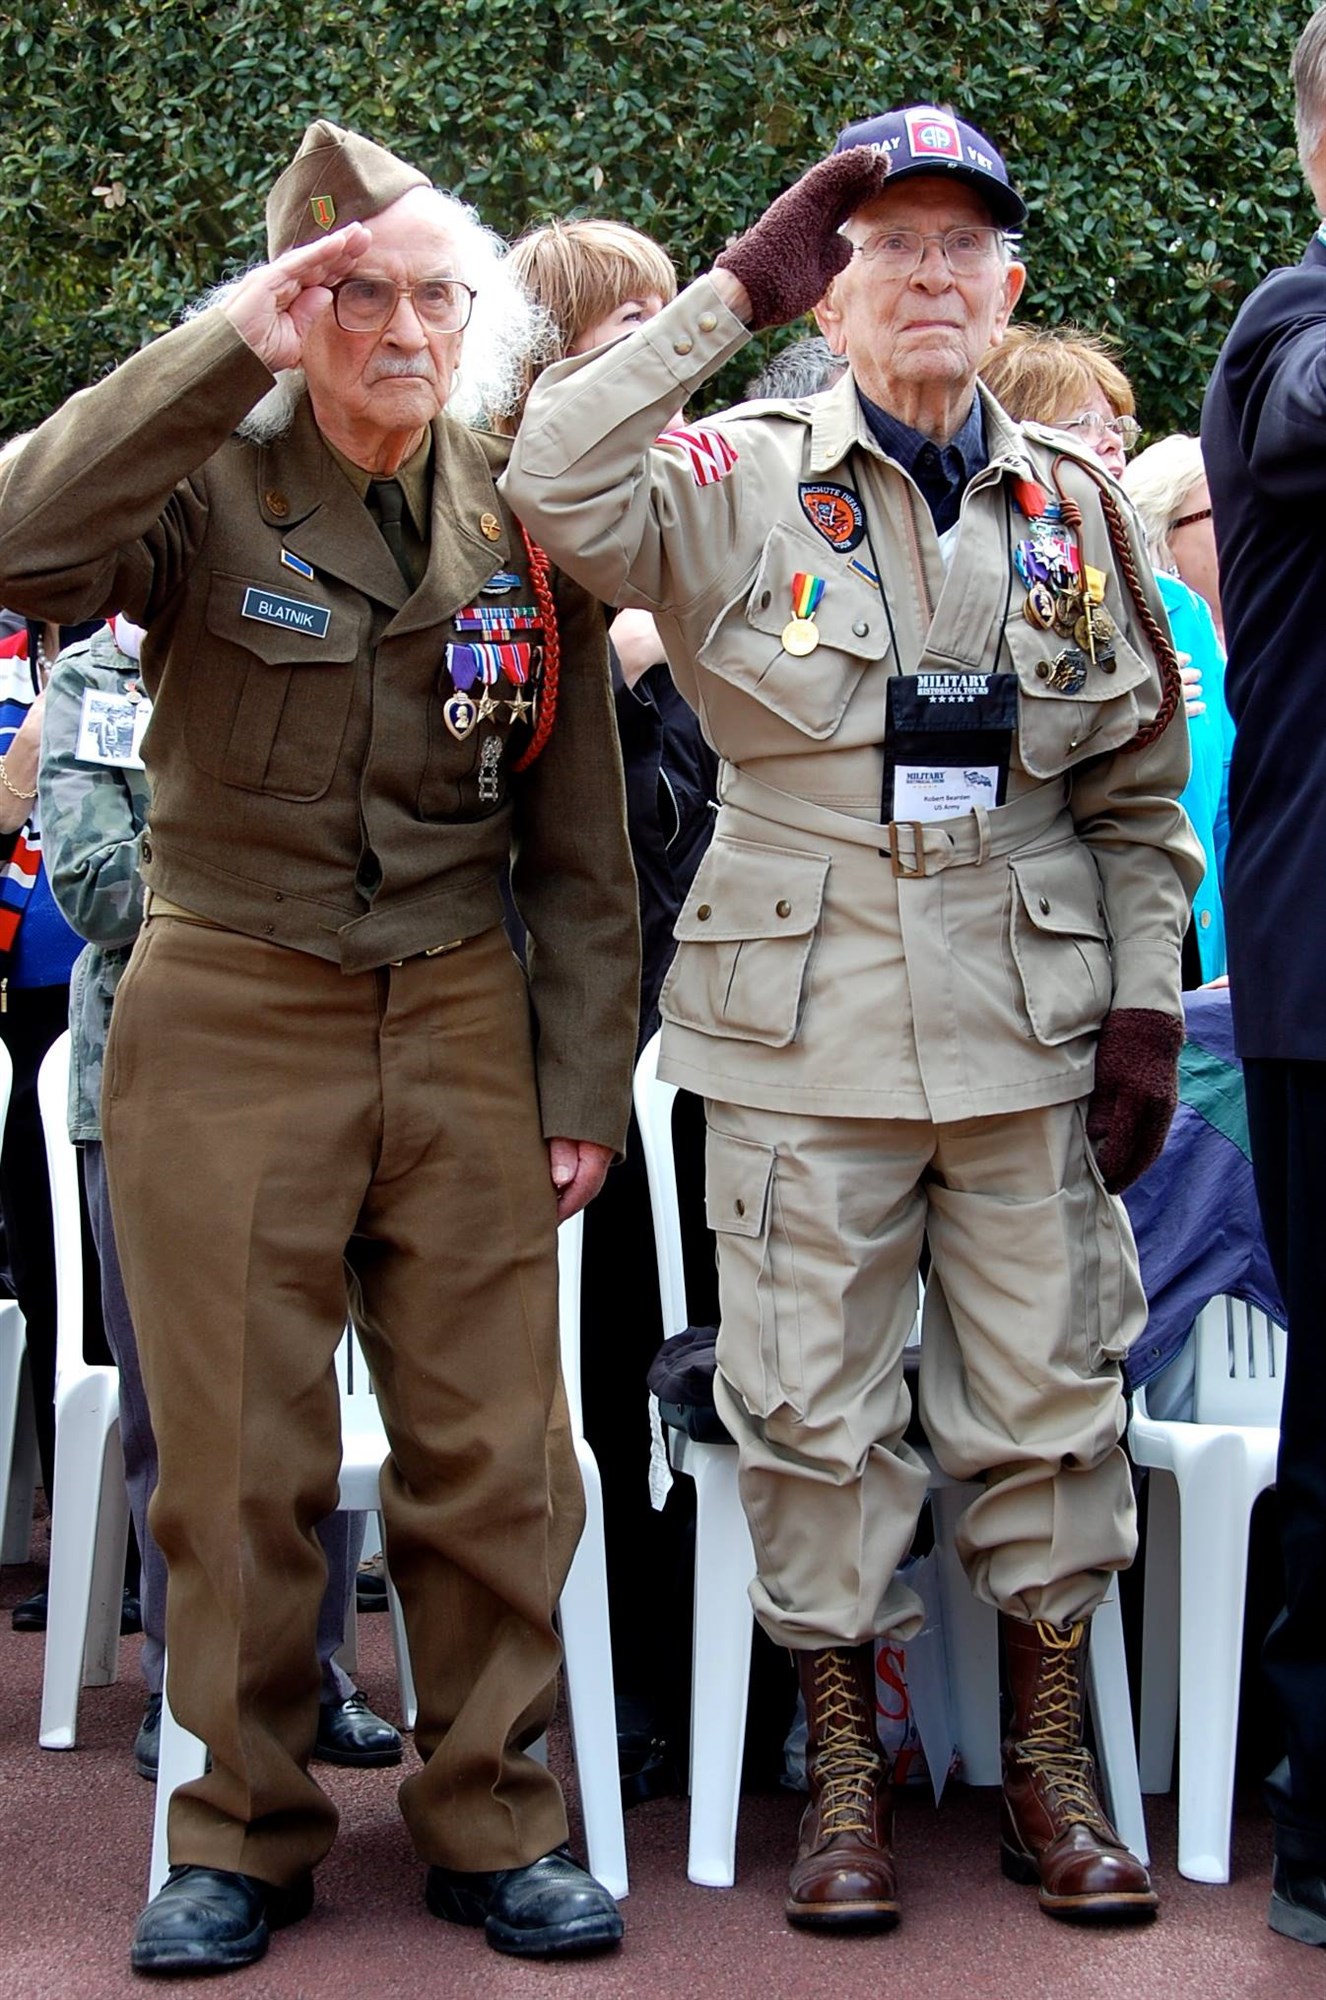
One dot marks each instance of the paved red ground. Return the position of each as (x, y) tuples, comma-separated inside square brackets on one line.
[(75, 1830)]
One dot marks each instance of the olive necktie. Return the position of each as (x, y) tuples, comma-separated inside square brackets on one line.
[(385, 501)]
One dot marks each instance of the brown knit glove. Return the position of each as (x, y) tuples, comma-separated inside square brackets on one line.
[(1136, 1092), (788, 258)]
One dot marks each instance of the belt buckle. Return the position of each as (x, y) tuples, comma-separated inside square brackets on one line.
[(902, 870)]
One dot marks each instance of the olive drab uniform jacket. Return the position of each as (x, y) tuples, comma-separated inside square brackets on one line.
[(306, 785), (828, 963)]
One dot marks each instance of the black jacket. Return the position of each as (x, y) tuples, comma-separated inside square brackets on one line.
[(1264, 445)]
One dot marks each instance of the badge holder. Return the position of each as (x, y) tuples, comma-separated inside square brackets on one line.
[(947, 745)]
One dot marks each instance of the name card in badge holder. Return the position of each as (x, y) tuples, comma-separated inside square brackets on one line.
[(111, 728), (948, 740)]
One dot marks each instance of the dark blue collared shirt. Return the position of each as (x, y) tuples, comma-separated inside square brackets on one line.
[(942, 472)]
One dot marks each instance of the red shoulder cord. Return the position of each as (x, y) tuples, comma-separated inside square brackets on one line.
[(1171, 682), (541, 578)]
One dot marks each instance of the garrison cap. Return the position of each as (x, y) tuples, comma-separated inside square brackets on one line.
[(336, 177), (922, 139)]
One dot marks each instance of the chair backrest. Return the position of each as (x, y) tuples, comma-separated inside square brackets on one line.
[(570, 1256), (1240, 1370), (66, 1214), (654, 1102)]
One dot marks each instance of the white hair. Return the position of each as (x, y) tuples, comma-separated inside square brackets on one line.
[(505, 328), (1158, 481)]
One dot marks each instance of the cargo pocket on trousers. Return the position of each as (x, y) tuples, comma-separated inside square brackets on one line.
[(740, 1199), (744, 940), (1113, 1302)]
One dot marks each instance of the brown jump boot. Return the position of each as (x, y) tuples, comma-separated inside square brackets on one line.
[(1055, 1832), (843, 1877)]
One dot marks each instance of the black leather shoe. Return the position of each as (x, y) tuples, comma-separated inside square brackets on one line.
[(147, 1743), (350, 1733), (30, 1614), (208, 1920), (1298, 1902), (550, 1909), (371, 1585)]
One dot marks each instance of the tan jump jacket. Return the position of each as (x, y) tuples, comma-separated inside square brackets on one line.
[(809, 976)]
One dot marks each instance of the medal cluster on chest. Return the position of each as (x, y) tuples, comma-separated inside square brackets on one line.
[(1065, 595), (495, 673)]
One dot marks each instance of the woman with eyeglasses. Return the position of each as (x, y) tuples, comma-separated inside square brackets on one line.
[(1167, 485), (1067, 377)]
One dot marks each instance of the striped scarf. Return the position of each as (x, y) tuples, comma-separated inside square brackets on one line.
[(18, 875)]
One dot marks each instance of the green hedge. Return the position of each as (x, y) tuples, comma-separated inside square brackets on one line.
[(1153, 139)]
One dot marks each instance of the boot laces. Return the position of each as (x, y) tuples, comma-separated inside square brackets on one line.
[(1053, 1742), (847, 1759)]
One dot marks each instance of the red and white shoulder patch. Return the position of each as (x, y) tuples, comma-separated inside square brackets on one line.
[(712, 455)]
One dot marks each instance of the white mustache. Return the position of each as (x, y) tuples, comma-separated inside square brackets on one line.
[(403, 364)]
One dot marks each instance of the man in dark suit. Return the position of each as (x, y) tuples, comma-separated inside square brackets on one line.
[(1264, 445), (328, 1082)]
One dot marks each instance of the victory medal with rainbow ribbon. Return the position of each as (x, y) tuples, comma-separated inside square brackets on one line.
[(801, 634)]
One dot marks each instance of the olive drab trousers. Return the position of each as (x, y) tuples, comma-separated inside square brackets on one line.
[(1032, 1297), (284, 1139)]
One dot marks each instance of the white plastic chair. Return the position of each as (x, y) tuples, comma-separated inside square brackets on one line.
[(725, 1567), (90, 1516), (1213, 1469), (583, 1610), (18, 1437)]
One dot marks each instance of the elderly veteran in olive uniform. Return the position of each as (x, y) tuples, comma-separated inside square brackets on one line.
[(928, 975), (328, 1080)]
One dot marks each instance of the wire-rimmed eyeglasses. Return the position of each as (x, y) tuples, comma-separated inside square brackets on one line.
[(1093, 428), (968, 251), (366, 305)]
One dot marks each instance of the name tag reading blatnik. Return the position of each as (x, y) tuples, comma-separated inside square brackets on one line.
[(292, 613)]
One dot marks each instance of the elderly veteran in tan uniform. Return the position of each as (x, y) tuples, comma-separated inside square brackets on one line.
[(328, 1079), (927, 978)]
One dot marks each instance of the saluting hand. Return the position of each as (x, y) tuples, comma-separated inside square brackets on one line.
[(787, 260), (274, 306)]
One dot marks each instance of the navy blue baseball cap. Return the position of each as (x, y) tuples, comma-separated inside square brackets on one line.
[(922, 139)]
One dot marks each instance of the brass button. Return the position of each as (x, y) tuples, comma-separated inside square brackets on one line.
[(707, 322), (490, 527), (861, 627), (783, 907), (684, 345), (1045, 906), (1043, 670), (1205, 920), (276, 503), (739, 1205), (704, 913)]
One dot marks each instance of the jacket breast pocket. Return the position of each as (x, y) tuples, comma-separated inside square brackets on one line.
[(1059, 942), (744, 940), (1057, 729), (744, 645), (268, 702)]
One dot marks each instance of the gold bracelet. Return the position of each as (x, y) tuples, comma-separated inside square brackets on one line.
[(12, 788)]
